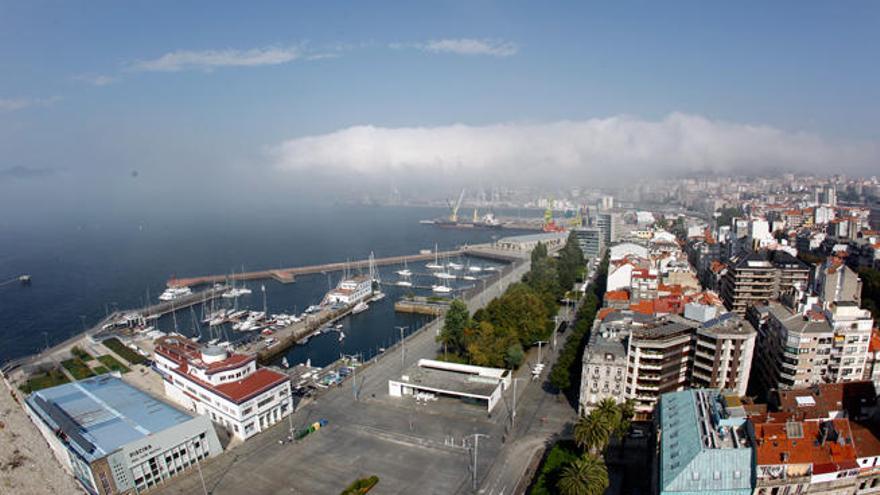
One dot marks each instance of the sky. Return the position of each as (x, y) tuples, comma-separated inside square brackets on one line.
[(162, 103)]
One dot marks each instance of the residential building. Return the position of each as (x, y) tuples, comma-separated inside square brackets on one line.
[(590, 240), (723, 354), (704, 446), (609, 223), (835, 281), (604, 367), (753, 277), (116, 439), (229, 388)]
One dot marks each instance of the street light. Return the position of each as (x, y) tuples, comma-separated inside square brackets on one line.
[(540, 342), (513, 413), (476, 448), (402, 347)]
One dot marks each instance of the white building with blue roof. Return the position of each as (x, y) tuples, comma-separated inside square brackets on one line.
[(114, 438), (704, 447)]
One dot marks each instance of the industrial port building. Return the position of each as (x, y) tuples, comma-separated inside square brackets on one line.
[(116, 439)]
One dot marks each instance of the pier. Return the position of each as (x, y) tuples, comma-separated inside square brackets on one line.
[(288, 275)]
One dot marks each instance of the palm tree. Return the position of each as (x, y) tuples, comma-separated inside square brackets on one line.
[(585, 476), (608, 407), (592, 432)]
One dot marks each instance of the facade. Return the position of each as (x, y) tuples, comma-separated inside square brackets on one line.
[(704, 446), (755, 277), (228, 388), (812, 347), (609, 223), (430, 378), (115, 439), (590, 241), (723, 354), (640, 357), (350, 291), (837, 282)]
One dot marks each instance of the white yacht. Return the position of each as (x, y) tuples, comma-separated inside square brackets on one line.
[(441, 289), (406, 272), (444, 275), (454, 266), (435, 265), (173, 293), (475, 268), (236, 292), (359, 308), (404, 283)]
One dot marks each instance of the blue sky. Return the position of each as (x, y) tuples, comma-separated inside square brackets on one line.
[(100, 86)]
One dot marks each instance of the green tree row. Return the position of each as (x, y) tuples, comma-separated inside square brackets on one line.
[(498, 334), (565, 374)]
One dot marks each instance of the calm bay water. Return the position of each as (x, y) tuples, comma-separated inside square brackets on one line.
[(82, 269)]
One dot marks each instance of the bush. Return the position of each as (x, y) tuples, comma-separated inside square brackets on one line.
[(560, 455), (44, 380), (111, 363), (79, 353), (77, 368), (100, 370), (361, 486), (124, 352)]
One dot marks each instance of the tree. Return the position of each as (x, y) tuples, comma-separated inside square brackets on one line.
[(514, 356), (608, 408), (592, 432), (488, 344), (522, 312), (452, 336), (585, 476)]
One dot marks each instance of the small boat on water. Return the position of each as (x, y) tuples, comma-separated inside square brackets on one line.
[(339, 326), (236, 292), (441, 289), (359, 308), (435, 265), (379, 296), (341, 336), (173, 293), (468, 277), (284, 362), (444, 275), (404, 283), (475, 268), (406, 272), (454, 266)]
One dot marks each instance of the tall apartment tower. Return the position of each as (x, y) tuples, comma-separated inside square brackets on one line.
[(756, 277)]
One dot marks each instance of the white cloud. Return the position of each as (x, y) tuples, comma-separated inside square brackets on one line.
[(13, 104), (96, 79), (470, 46), (609, 148), (212, 59), (463, 46)]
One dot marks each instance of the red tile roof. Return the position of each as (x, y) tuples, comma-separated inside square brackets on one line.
[(874, 346), (617, 295), (775, 446)]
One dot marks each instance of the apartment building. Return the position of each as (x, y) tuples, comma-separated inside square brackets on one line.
[(800, 349), (754, 277)]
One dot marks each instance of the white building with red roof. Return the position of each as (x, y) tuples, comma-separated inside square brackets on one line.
[(228, 388)]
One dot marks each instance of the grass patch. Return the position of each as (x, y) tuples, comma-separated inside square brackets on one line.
[(560, 455), (123, 351), (100, 370), (361, 486), (81, 354), (44, 380), (111, 363), (77, 368)]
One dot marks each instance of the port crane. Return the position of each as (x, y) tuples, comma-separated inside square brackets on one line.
[(453, 210)]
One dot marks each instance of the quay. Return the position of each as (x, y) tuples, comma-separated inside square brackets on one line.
[(288, 275), (422, 305)]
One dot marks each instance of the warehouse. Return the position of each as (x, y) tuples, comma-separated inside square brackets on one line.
[(470, 383), (114, 438)]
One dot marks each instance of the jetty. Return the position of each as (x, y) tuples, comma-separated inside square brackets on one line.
[(288, 275)]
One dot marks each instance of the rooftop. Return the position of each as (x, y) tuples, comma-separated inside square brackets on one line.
[(827, 445), (101, 414), (798, 323), (820, 401)]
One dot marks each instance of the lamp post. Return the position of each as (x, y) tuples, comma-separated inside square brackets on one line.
[(540, 356), (476, 448)]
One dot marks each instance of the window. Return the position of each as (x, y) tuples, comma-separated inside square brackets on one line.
[(695, 476), (737, 474), (716, 475)]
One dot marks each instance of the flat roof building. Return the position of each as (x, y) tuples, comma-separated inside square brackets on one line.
[(704, 447), (463, 381), (114, 438)]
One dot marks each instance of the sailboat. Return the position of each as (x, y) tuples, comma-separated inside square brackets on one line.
[(441, 289), (436, 264), (406, 272), (405, 275), (284, 362)]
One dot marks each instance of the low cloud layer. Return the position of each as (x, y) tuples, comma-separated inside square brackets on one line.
[(96, 79), (213, 59), (609, 149), (13, 104), (469, 46)]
